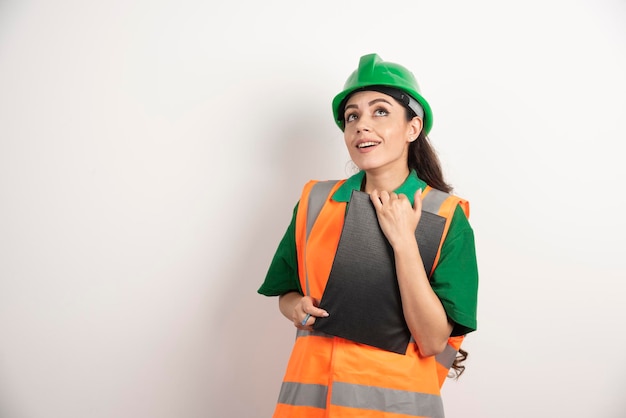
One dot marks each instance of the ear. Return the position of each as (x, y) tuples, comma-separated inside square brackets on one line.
[(415, 127)]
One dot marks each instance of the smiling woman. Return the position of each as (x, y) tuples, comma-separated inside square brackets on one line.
[(381, 303), (377, 132)]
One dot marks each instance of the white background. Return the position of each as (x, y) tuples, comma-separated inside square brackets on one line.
[(151, 153)]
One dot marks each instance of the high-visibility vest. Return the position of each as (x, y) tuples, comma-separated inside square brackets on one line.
[(329, 376)]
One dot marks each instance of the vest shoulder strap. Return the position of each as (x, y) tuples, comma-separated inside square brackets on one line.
[(317, 197), (444, 205), (314, 196)]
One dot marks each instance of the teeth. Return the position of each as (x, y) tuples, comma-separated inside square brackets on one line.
[(366, 144)]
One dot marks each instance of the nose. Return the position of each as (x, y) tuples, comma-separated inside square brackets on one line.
[(362, 125)]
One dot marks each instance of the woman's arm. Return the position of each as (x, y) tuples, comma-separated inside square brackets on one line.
[(423, 311)]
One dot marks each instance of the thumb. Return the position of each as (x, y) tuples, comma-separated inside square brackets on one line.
[(417, 201)]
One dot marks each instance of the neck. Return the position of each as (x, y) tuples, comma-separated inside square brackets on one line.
[(385, 180)]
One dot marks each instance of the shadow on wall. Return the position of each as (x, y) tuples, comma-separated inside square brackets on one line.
[(252, 339)]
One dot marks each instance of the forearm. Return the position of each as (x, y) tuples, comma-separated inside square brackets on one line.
[(423, 311)]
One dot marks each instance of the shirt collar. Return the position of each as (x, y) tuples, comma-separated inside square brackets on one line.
[(408, 188)]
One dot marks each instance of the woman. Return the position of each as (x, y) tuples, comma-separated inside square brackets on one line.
[(385, 121)]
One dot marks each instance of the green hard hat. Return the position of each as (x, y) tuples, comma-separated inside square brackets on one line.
[(373, 71)]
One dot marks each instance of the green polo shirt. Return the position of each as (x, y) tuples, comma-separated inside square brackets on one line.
[(455, 279)]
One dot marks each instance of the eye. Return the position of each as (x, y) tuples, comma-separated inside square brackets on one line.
[(381, 112), (350, 117)]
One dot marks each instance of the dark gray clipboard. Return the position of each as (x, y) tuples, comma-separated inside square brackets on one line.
[(362, 294)]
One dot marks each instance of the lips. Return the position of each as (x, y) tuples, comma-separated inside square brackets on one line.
[(366, 144)]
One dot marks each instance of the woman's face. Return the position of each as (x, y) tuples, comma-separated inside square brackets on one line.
[(377, 133)]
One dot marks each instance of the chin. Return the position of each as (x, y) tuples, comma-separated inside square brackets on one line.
[(369, 165)]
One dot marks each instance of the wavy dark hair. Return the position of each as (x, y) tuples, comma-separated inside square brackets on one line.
[(457, 366), (424, 160)]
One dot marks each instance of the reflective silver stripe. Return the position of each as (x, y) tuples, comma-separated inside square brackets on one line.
[(433, 200), (303, 394), (305, 333), (447, 356), (317, 197), (387, 400)]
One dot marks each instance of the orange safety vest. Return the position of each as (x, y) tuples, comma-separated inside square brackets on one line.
[(329, 376)]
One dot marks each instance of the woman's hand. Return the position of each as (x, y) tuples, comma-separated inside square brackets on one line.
[(301, 310), (397, 218)]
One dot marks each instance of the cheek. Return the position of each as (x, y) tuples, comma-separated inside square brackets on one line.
[(346, 138), (395, 136)]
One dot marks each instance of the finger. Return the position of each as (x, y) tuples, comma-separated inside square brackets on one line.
[(309, 318), (393, 196), (403, 198), (375, 198), (417, 201), (316, 312), (313, 310)]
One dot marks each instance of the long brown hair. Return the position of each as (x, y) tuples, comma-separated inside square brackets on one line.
[(424, 160)]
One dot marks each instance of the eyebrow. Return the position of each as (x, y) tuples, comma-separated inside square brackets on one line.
[(370, 103)]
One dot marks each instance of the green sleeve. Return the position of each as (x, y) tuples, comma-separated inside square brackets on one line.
[(282, 275), (455, 279)]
